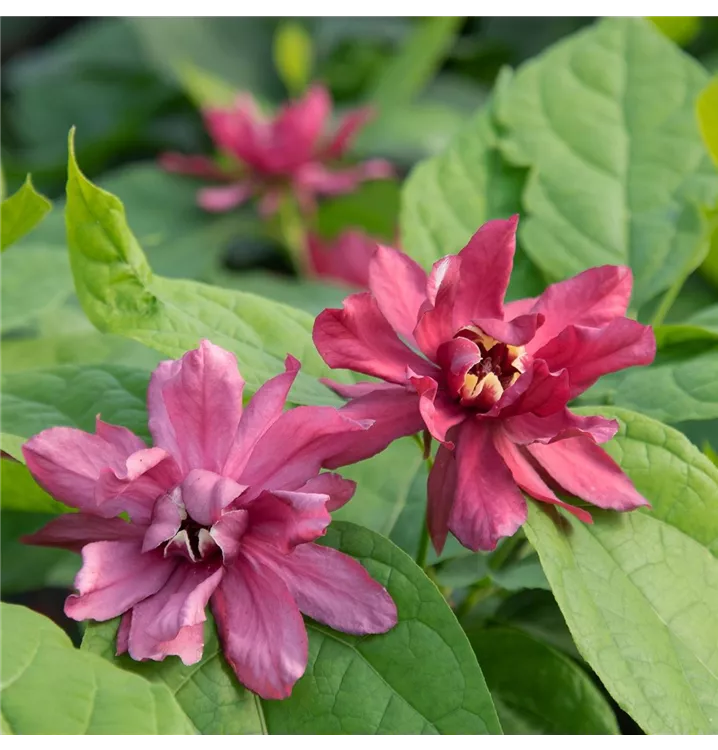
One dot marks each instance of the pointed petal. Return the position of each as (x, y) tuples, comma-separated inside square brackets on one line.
[(537, 391), (195, 405), (589, 353), (180, 603), (436, 324), (114, 577), (529, 428), (227, 533), (338, 489), (263, 410), (593, 298), (516, 332), (438, 411), (218, 200), (206, 494), (355, 390), (486, 264), (123, 439), (441, 490), (286, 519), (398, 284), (359, 338), (348, 128), (167, 517), (333, 588), (299, 125), (346, 259), (261, 630), (74, 530), (237, 129), (583, 469), (395, 413), (194, 166), (526, 476), (298, 444), (487, 505), (317, 179)]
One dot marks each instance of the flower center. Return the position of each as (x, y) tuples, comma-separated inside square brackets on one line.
[(499, 366)]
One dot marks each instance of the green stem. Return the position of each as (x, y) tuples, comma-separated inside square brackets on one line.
[(479, 592), (423, 550), (294, 235), (505, 551)]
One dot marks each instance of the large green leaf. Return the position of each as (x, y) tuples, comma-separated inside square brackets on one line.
[(639, 590), (538, 690), (605, 121), (420, 678), (21, 212), (49, 687), (120, 294), (707, 110), (448, 197), (19, 491)]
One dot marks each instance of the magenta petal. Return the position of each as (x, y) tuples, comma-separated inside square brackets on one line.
[(67, 463), (237, 129), (338, 489), (486, 264), (538, 391), (592, 298), (438, 411), (227, 533), (589, 353), (223, 198), (167, 517), (398, 284), (529, 428), (298, 444), (286, 519), (114, 577), (355, 390), (487, 504), (456, 358), (298, 127), (359, 338), (261, 630), (526, 476), (195, 405), (334, 589), (123, 439), (316, 178), (263, 410), (180, 603), (74, 530), (346, 259), (195, 166), (350, 125), (440, 490), (516, 332), (395, 413), (123, 633), (206, 494), (583, 469), (436, 324)]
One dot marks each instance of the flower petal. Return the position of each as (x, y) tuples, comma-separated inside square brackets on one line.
[(526, 476), (167, 517), (286, 519), (441, 490), (206, 494), (114, 577), (228, 532), (237, 129), (359, 337), (180, 603), (339, 490), (263, 410), (395, 413), (398, 284), (345, 260), (74, 530), (593, 298), (297, 128), (316, 178), (334, 589), (261, 630), (487, 504), (529, 428), (123, 439), (584, 469), (349, 126), (218, 200), (355, 390), (589, 353), (194, 166), (438, 411), (486, 264), (537, 391), (516, 332), (297, 445), (195, 405), (436, 324)]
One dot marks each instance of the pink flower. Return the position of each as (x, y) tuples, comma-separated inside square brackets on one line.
[(287, 152), (223, 510), (490, 381), (346, 259)]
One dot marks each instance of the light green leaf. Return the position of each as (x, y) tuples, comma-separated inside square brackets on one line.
[(538, 690), (618, 169), (367, 685), (205, 89), (448, 197), (639, 590), (679, 29), (21, 212), (293, 56), (707, 111), (20, 492), (49, 687), (120, 294)]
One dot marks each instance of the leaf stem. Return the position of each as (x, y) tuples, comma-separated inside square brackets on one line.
[(423, 551)]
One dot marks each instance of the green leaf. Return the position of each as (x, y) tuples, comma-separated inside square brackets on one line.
[(36, 279), (72, 396), (639, 590), (707, 111), (679, 29), (538, 690), (205, 89), (448, 197), (682, 383), (49, 687), (293, 56), (120, 294), (21, 212), (21, 493), (618, 169), (466, 570), (367, 685)]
